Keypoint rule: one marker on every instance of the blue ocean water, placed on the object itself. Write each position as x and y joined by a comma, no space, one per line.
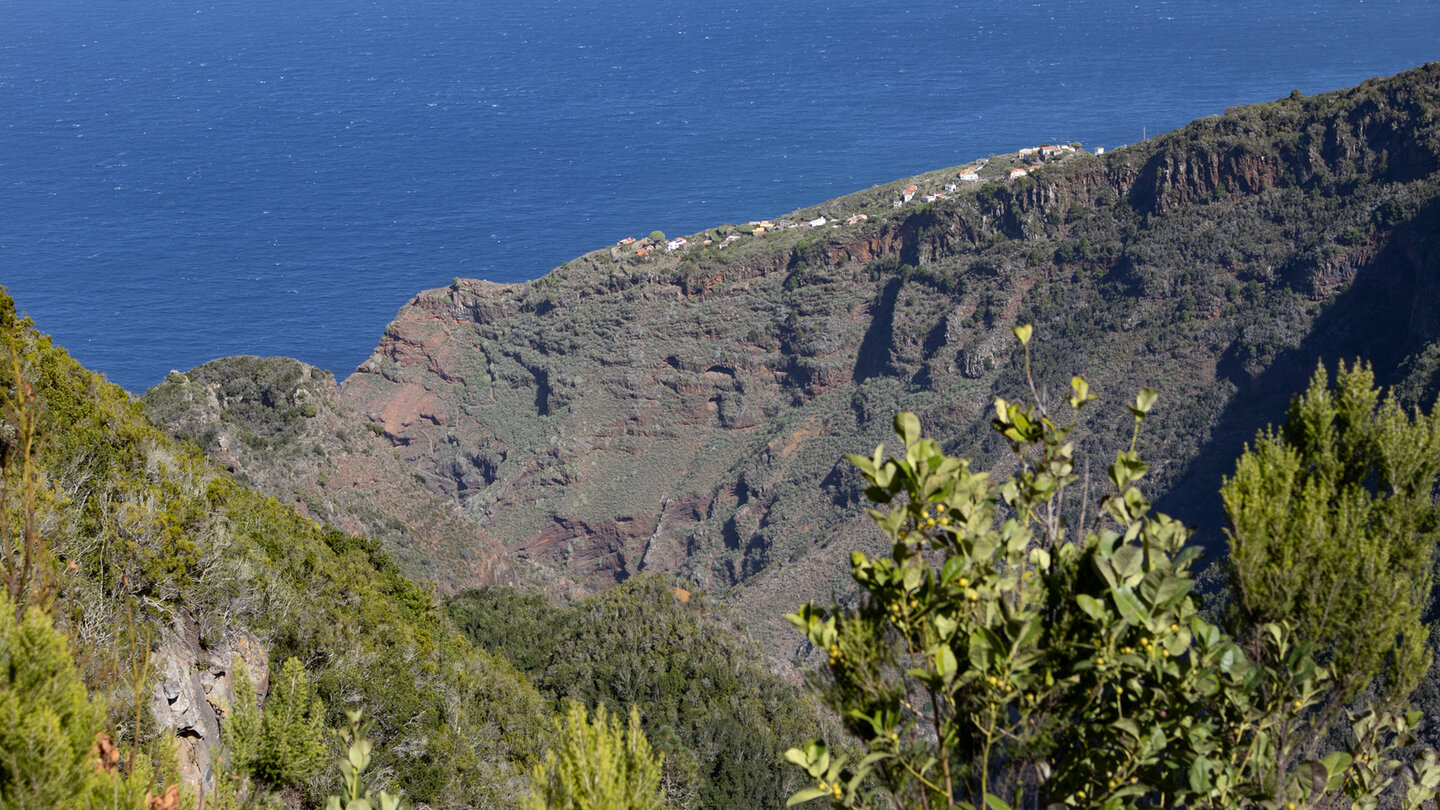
185,180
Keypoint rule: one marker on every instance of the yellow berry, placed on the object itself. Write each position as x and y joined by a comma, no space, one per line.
944,521
964,582
1174,628
929,523
974,597
940,507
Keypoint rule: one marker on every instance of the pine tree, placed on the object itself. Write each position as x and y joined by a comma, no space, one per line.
52,750
285,744
1333,530
47,722
598,766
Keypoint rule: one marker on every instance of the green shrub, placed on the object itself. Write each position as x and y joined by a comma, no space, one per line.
1333,528
51,755
597,766
1007,652
286,744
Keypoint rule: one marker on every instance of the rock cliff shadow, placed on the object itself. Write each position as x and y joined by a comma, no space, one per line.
873,357
1388,312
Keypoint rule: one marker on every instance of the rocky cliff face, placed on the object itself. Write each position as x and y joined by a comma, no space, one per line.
194,689
688,411
283,428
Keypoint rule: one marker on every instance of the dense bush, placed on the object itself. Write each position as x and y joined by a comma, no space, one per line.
51,754
1002,656
288,742
597,766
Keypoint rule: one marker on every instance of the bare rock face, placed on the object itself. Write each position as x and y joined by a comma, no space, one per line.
194,687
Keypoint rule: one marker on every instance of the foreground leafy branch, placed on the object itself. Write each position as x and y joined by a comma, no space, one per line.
997,660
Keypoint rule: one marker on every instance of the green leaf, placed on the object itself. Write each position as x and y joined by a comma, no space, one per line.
1129,606
1171,588
808,794
907,427
945,626
980,649
1127,561
945,663
1128,726
1040,558
797,757
1144,401
1335,765
864,463
993,802
1002,411
1202,776
1093,607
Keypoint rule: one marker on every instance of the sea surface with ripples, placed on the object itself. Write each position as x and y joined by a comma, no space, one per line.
186,180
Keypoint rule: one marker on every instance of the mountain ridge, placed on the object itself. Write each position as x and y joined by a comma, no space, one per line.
687,412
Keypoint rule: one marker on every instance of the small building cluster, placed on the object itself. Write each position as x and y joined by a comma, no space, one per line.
645,247
969,173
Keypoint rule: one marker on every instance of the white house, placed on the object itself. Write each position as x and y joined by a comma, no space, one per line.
817,222
1016,173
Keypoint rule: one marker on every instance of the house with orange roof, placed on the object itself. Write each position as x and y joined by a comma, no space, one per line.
909,193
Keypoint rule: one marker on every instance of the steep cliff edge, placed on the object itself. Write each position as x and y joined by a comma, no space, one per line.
686,411
281,426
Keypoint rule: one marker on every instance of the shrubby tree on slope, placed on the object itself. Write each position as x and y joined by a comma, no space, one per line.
287,743
597,765
1333,529
52,753
1004,656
